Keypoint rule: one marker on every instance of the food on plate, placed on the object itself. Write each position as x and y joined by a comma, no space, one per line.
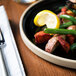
59,30
53,43
48,18
71,38
67,24
64,44
73,46
68,17
41,37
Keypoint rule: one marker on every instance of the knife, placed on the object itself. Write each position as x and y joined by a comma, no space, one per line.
2,67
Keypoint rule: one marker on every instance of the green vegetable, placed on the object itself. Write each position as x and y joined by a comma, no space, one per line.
66,24
60,31
74,11
68,17
61,7
73,47
40,29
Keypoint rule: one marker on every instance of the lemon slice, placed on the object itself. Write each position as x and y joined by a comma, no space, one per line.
48,18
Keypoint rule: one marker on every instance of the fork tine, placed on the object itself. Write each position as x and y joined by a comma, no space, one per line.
0,35
2,41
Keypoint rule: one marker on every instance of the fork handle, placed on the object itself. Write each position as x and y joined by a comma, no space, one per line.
2,67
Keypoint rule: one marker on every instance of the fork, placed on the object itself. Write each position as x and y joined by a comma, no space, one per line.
2,44
2,41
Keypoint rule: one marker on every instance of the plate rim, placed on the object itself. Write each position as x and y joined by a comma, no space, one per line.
69,63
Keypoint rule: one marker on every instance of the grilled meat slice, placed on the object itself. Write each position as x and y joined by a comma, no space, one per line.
71,38
41,37
64,44
73,27
73,1
53,43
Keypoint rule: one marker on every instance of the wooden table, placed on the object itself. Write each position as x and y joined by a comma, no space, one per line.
34,65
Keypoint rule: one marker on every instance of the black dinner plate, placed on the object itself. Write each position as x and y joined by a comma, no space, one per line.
30,29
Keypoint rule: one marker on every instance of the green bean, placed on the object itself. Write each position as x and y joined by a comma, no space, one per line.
74,11
73,47
68,17
60,31
66,24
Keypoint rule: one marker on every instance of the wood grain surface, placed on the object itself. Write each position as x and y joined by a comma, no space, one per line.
33,65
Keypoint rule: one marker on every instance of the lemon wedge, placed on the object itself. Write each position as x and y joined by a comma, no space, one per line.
48,18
